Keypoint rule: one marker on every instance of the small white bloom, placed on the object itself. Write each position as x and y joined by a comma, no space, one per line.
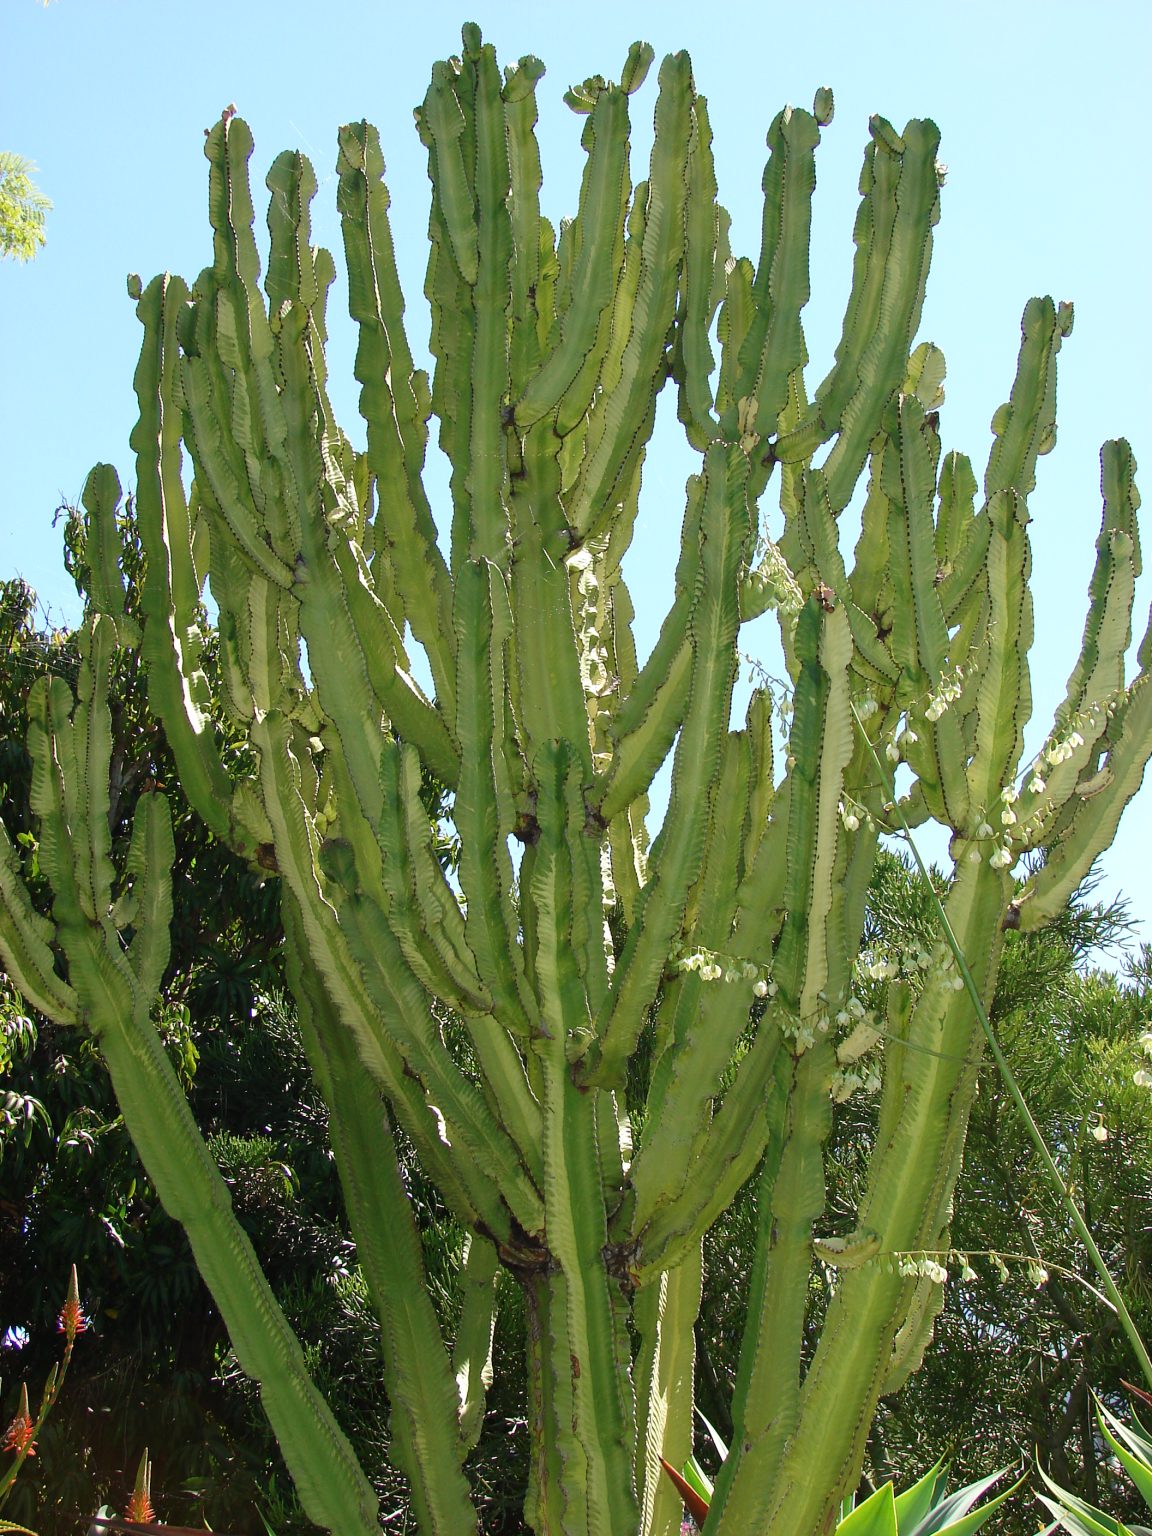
1008,816
852,822
1010,794
892,752
1037,1274
934,711
761,988
1037,786
1100,1132
1142,1079
973,855
957,983
908,738
1000,859
983,830
967,1273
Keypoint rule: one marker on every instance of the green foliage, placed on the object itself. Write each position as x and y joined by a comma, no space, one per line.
1131,1446
924,1509
22,208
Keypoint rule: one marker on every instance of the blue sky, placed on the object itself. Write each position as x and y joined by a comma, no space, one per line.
1044,114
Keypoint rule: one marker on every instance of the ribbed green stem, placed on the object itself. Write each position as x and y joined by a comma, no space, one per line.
665,1314
332,1488
901,1206
585,1348
421,1392
766,1405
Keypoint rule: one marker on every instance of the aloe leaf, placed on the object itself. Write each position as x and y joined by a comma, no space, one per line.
875,1517
915,1502
1133,1452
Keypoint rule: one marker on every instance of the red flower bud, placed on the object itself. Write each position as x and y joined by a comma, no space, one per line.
71,1320
18,1435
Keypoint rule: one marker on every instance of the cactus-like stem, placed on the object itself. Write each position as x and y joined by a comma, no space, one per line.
902,1202
419,1381
666,1313
767,1398
472,1355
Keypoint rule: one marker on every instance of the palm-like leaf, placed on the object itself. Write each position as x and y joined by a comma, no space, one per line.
22,208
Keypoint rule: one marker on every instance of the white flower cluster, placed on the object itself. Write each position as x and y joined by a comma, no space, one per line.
875,966
1057,752
904,739
924,1265
772,581
1001,857
851,1014
938,1267
852,815
947,691
1062,749
710,966
879,967
1037,1274
847,1082
804,1032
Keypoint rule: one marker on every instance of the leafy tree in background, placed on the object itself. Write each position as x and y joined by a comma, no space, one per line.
22,208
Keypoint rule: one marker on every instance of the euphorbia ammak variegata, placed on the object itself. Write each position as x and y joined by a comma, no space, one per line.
643,1027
